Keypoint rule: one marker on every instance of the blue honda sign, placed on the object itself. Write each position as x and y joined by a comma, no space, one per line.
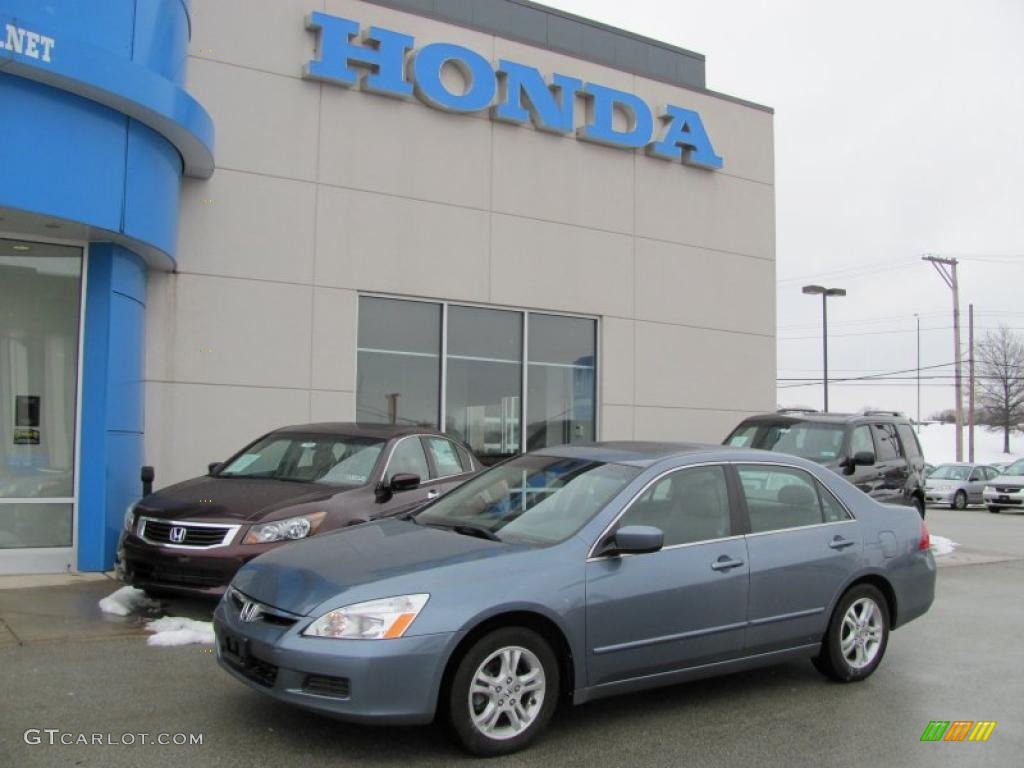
387,63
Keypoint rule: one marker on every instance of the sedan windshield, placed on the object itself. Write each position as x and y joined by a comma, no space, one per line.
817,442
1017,468
328,459
533,498
950,472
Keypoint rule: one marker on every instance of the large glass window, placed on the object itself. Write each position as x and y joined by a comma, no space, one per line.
399,362
485,379
39,310
479,397
560,381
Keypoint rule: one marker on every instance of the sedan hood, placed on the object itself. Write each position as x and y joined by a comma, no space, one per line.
298,577
219,499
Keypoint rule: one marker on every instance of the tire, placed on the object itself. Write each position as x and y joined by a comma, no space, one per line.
959,500
851,651
533,660
995,510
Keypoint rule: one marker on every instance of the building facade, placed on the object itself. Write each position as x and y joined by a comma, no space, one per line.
520,225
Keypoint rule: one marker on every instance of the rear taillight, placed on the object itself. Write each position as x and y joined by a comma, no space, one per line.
926,540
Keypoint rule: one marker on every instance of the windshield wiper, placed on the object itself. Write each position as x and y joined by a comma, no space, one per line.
466,529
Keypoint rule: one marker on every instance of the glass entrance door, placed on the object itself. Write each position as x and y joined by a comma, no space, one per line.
40,308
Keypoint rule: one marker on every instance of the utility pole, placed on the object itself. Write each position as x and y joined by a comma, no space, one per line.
947,271
970,391
918,318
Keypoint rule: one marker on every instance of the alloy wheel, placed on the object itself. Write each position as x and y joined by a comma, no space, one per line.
862,633
507,692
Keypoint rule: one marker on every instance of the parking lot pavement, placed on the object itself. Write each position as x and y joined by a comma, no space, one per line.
962,661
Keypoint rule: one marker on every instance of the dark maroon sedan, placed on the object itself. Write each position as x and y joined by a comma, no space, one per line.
289,484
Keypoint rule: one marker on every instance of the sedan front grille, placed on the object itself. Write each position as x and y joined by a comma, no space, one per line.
1007,489
171,532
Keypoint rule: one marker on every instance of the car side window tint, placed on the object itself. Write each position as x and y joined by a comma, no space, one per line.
834,512
991,473
888,445
780,498
409,458
687,506
911,446
860,440
446,457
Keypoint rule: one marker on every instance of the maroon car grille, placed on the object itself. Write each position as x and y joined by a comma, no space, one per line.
160,532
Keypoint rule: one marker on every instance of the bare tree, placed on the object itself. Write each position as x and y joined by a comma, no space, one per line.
1000,361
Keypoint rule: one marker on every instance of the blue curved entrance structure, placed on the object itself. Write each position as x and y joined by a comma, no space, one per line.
97,135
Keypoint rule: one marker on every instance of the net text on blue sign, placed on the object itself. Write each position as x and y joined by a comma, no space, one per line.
387,63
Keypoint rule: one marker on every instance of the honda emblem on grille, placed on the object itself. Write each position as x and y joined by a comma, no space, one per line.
177,534
250,612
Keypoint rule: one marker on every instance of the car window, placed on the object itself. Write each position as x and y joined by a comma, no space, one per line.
780,497
688,505
991,473
409,459
315,458
834,512
911,447
888,444
446,457
860,440
807,439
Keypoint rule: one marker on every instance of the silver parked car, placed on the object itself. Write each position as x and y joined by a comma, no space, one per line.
576,573
958,485
1007,490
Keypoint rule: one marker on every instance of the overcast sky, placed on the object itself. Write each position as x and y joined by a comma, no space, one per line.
899,131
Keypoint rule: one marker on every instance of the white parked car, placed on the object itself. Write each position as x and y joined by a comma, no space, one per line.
1007,490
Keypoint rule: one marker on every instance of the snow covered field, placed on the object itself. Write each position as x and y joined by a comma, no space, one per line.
939,444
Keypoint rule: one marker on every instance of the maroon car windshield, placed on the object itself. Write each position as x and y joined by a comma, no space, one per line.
329,459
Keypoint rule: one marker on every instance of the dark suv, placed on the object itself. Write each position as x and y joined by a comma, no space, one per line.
877,451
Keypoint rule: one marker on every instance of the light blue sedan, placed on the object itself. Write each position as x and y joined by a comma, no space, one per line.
577,573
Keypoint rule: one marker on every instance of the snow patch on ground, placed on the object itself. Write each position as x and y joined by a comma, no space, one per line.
172,630
127,600
938,441
942,546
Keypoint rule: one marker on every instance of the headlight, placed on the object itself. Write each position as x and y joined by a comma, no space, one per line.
129,518
285,530
376,620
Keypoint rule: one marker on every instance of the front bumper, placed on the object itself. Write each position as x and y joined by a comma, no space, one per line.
994,498
368,681
939,496
198,572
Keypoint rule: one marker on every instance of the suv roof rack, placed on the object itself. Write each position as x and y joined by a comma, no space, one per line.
797,410
884,413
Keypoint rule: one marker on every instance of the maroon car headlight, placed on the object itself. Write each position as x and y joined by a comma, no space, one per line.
285,530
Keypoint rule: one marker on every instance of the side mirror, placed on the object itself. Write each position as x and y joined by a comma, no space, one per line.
214,466
634,540
859,459
402,481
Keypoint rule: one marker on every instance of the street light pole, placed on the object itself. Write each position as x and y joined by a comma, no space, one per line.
918,317
814,290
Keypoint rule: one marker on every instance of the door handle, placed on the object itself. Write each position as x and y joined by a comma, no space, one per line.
840,543
433,494
725,563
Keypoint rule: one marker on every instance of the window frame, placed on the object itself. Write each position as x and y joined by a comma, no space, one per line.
850,517
736,520
525,313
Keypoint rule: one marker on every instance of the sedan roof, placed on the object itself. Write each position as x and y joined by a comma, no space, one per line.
358,429
637,453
